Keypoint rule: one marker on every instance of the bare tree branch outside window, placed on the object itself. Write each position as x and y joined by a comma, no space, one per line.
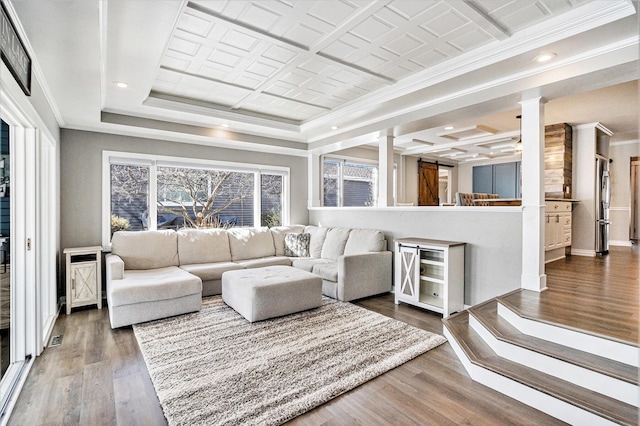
191,197
198,195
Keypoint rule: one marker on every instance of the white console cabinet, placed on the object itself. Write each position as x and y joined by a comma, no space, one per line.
430,274
84,277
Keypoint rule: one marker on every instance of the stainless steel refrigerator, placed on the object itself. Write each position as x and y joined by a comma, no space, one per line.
603,197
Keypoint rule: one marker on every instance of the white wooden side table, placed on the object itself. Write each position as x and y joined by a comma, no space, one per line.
84,276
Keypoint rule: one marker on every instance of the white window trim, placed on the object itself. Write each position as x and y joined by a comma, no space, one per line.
354,160
153,161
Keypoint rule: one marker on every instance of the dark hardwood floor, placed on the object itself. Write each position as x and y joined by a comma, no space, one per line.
98,376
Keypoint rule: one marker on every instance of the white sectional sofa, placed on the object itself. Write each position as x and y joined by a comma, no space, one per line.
156,274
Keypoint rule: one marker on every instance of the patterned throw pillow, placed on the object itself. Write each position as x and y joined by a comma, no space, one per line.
297,245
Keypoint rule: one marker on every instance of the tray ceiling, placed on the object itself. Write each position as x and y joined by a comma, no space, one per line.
296,61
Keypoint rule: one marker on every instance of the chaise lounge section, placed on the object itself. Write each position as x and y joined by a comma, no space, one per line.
156,274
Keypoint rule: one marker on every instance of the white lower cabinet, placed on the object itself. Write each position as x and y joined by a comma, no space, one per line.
430,274
557,231
84,274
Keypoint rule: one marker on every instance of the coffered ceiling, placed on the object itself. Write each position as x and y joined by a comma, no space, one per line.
321,75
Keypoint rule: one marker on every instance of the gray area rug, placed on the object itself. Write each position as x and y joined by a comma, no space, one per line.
213,367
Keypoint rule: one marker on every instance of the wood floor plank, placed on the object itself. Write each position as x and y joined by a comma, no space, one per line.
97,403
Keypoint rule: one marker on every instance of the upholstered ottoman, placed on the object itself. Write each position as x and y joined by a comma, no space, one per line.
263,293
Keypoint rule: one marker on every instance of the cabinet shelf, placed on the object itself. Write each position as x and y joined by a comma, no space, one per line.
432,300
432,279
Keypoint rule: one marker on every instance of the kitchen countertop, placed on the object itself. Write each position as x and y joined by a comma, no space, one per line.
572,200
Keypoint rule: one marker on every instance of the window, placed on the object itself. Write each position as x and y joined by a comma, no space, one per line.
271,199
349,184
198,197
129,196
153,192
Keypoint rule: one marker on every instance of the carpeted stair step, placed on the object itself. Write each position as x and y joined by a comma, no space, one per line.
575,404
615,379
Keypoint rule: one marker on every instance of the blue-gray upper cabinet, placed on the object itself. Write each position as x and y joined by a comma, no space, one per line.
502,179
483,179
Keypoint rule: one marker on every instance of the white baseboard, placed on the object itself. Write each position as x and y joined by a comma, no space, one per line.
621,243
581,252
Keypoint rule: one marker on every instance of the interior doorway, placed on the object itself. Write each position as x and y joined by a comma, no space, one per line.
444,183
428,183
634,223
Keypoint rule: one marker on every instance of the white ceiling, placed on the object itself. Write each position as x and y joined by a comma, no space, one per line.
277,76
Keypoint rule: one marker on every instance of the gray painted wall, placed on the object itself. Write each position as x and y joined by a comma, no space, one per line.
621,154
81,177
493,255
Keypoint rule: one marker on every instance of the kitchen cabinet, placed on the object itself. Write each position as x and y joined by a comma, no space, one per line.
557,224
502,179
430,274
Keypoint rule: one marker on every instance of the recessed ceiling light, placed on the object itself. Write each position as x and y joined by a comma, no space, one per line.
121,84
449,128
334,127
225,125
545,57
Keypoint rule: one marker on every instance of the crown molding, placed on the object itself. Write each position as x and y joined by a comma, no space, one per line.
176,103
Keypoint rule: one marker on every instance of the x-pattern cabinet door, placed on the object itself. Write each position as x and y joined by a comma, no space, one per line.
407,273
83,282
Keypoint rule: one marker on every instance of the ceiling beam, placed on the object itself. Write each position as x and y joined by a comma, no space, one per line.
471,10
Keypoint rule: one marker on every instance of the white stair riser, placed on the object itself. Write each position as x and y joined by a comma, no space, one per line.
606,348
589,379
559,409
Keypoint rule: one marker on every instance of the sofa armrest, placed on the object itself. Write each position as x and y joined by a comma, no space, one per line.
362,275
114,266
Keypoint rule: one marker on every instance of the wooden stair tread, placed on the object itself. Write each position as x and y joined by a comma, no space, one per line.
487,314
607,319
482,355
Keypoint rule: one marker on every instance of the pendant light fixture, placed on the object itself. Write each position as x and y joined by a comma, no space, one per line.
518,146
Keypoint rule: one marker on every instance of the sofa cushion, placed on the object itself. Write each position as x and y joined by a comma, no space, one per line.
334,243
153,285
297,245
364,241
211,271
317,239
265,261
146,249
327,271
307,264
250,243
278,233
203,246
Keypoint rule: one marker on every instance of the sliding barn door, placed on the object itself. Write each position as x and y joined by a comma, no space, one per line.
428,184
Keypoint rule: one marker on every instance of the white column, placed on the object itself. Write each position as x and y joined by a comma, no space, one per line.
532,169
314,179
385,171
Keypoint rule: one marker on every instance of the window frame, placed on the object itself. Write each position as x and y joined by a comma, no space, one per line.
154,161
362,161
